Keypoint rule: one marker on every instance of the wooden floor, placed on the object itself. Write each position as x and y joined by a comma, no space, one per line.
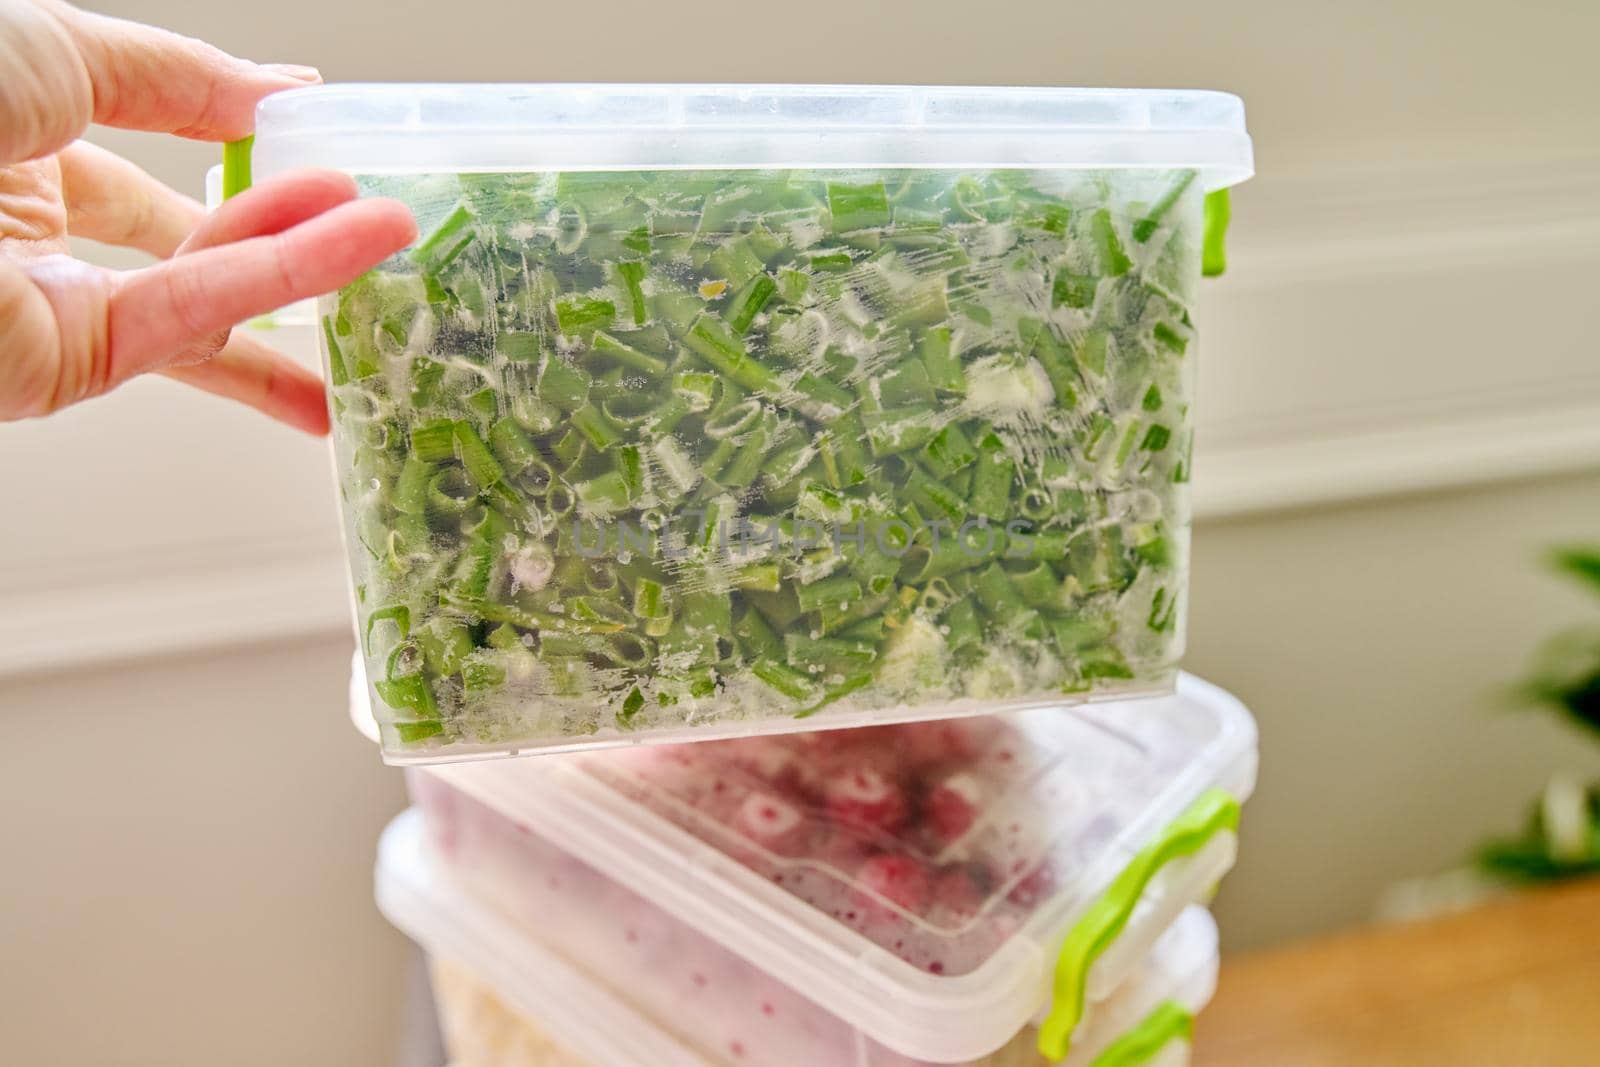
1515,983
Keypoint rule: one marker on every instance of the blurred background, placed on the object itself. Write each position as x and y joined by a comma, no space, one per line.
1400,410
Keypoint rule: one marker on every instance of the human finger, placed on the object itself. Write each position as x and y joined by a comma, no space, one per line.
157,311
272,207
146,78
253,373
110,199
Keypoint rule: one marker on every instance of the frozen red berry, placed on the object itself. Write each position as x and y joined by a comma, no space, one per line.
951,807
946,741
864,796
714,795
957,896
777,764
822,743
871,741
899,880
1033,889
768,758
773,823
844,848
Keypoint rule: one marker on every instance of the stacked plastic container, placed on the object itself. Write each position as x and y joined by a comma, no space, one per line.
977,891
803,474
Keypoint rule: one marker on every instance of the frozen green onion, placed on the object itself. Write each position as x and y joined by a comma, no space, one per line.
622,450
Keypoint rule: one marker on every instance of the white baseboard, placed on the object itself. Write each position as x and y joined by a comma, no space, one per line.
174,610
1412,458
1395,331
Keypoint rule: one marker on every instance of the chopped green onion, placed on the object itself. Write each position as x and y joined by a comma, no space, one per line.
621,450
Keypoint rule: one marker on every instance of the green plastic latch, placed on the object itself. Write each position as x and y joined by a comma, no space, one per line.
1167,1022
1217,212
1212,813
236,166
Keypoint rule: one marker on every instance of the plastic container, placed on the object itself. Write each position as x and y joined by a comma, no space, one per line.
507,998
703,411
920,893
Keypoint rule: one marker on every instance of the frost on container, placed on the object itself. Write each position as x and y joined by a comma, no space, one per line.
637,451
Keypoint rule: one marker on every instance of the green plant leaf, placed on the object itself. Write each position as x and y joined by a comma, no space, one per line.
1579,561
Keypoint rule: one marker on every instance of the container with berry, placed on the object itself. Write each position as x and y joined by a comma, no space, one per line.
508,998
956,892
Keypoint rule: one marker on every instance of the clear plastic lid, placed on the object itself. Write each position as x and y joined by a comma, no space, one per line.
580,1012
481,127
937,885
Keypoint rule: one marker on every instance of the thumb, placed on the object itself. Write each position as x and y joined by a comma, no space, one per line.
71,68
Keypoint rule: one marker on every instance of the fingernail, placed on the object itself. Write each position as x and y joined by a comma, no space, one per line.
309,75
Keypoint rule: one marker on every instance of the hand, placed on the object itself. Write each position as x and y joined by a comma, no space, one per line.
70,330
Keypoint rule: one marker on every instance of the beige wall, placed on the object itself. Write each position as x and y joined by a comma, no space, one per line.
1374,643
184,865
